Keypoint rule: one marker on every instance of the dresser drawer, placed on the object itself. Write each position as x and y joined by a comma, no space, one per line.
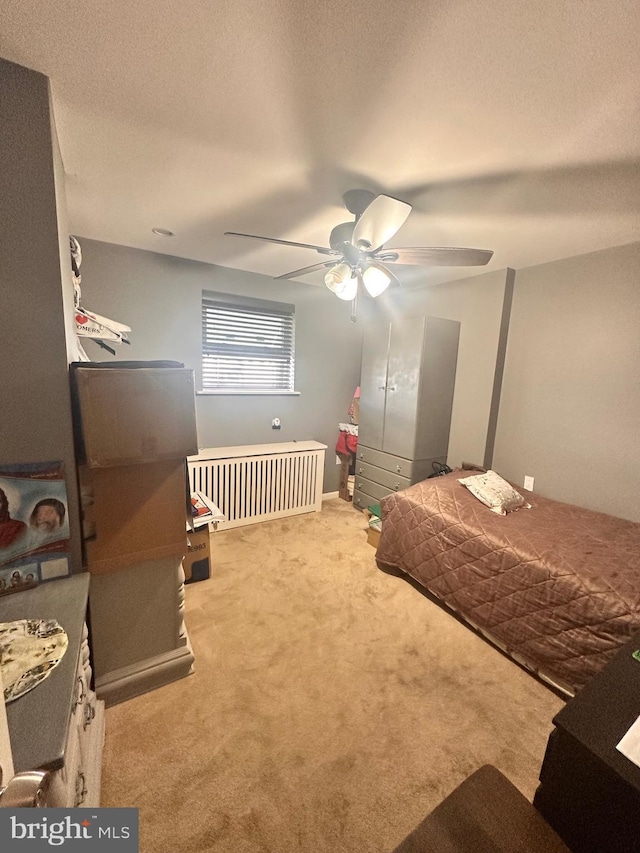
91,745
395,464
388,479
362,500
62,789
376,491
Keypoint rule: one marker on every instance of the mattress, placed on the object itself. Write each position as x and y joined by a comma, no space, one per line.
556,586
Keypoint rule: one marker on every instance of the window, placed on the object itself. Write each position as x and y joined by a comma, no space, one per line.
247,344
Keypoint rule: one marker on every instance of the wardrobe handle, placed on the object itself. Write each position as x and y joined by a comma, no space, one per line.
392,388
382,387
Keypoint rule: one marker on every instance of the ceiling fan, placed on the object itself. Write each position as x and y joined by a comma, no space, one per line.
356,249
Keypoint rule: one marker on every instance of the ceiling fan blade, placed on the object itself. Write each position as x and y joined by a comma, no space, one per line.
313,268
320,249
379,222
446,256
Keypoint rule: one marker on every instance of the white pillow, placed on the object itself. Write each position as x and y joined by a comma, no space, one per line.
495,492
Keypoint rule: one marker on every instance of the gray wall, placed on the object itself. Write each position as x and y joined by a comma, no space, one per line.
569,401
37,296
477,304
570,409
159,296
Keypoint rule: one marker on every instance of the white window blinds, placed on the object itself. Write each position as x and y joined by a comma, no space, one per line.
247,344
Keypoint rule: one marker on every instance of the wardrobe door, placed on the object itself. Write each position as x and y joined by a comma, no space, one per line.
403,386
373,383
435,400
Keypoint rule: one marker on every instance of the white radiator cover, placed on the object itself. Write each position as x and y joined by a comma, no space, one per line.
259,482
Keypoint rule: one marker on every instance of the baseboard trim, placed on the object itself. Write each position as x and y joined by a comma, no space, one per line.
327,496
138,678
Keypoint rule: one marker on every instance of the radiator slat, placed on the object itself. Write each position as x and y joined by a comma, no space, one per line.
260,486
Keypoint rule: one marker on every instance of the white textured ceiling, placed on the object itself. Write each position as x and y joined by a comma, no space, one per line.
508,125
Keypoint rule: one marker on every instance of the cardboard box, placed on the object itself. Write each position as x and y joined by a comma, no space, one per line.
137,512
197,563
130,416
373,537
135,614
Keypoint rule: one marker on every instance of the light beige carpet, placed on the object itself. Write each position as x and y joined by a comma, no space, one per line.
332,705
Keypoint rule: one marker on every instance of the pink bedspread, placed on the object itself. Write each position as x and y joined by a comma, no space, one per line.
557,586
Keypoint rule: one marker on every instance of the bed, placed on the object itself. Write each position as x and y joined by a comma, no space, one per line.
555,586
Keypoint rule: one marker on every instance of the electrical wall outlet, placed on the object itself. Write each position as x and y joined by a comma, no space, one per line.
275,423
528,483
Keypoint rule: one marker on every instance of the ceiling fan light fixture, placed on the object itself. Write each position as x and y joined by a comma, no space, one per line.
347,290
337,277
375,280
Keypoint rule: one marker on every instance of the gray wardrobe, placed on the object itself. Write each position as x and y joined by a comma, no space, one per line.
406,395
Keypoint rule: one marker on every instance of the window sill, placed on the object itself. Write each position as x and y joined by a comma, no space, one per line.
248,393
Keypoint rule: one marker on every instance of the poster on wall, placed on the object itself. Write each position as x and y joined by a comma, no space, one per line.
34,525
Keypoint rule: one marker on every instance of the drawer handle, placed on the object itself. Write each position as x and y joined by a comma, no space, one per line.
81,691
89,715
396,487
360,470
81,789
398,468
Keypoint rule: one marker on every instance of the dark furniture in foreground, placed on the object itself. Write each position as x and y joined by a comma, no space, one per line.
589,792
485,814
554,586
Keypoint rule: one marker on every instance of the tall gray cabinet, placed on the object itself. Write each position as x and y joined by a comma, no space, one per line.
406,395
